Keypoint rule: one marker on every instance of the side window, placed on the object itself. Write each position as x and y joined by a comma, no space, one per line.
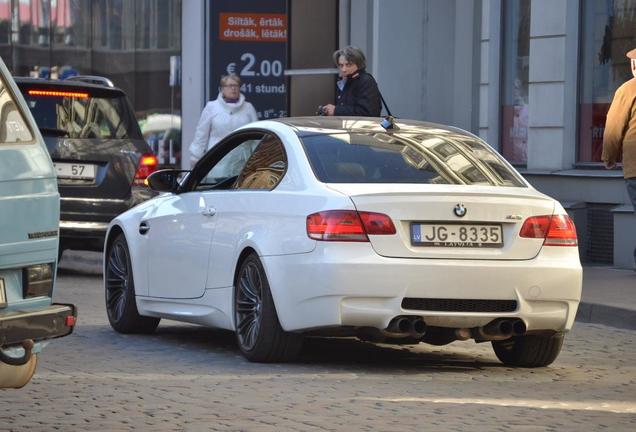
266,167
13,128
225,172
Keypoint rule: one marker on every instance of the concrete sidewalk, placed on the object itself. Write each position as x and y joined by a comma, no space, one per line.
609,294
609,297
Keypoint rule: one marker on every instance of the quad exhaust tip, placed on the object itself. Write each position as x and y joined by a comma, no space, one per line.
413,326
498,329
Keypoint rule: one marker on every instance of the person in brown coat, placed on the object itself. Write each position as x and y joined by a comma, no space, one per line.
619,137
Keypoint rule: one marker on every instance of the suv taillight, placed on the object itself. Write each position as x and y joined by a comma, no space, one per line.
147,165
348,225
556,230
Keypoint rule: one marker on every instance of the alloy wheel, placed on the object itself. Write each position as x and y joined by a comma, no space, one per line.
249,305
117,281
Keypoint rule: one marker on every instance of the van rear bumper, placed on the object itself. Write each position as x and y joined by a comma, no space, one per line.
37,324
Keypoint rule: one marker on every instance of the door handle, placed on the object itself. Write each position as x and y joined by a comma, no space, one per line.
209,211
144,227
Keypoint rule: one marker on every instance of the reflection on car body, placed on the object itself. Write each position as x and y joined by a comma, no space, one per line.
338,227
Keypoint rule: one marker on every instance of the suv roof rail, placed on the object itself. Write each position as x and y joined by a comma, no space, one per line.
92,79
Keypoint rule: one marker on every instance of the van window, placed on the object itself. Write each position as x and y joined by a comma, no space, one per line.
13,128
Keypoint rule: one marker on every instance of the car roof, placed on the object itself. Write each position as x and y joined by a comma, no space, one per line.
94,89
320,125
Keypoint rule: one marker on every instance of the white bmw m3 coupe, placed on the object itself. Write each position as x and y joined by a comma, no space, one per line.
328,226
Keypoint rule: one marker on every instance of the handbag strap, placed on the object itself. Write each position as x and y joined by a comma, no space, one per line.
386,107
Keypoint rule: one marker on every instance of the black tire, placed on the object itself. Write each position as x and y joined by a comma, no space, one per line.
529,350
120,292
258,332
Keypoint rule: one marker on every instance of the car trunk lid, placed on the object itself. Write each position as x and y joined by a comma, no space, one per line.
95,167
424,215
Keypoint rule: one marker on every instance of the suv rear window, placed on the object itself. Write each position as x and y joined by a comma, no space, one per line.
81,114
407,158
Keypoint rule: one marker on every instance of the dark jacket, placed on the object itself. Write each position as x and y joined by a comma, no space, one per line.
359,97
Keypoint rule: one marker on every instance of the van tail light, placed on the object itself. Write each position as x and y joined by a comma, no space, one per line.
348,225
147,165
557,230
37,281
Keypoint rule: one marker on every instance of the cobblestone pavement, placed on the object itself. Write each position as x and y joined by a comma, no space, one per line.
194,379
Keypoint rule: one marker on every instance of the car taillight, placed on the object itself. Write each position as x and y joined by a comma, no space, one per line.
377,223
557,230
55,93
147,165
347,225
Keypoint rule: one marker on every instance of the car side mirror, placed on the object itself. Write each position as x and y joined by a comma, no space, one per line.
166,180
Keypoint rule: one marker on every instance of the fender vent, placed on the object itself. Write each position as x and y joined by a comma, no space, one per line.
459,305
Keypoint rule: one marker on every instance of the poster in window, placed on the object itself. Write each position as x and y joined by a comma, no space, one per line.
249,39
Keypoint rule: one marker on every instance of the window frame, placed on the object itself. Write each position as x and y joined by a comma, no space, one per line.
218,152
26,117
508,27
585,34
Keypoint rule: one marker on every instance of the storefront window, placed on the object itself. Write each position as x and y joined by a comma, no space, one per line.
5,30
134,43
158,41
607,34
514,132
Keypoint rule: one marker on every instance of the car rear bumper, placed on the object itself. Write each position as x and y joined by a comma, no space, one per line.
84,221
350,285
81,229
37,324
82,235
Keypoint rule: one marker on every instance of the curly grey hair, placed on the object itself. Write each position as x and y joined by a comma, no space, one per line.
351,54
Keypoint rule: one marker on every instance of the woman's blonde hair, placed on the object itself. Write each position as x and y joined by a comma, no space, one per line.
233,77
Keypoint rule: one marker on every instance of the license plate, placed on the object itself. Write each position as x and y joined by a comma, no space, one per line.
457,235
75,170
3,294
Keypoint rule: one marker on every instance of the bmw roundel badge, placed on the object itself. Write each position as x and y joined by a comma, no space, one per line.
460,210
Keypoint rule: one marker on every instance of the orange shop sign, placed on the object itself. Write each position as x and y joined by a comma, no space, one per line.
252,27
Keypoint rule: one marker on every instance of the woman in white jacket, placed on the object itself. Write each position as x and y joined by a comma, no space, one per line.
229,111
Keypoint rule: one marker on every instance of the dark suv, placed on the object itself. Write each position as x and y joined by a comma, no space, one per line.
98,150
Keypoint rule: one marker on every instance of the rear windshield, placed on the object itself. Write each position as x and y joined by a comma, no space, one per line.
81,115
439,158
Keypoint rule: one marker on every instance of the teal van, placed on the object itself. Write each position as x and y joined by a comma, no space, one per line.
29,237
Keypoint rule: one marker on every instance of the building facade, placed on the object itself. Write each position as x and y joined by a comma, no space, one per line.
135,43
534,78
